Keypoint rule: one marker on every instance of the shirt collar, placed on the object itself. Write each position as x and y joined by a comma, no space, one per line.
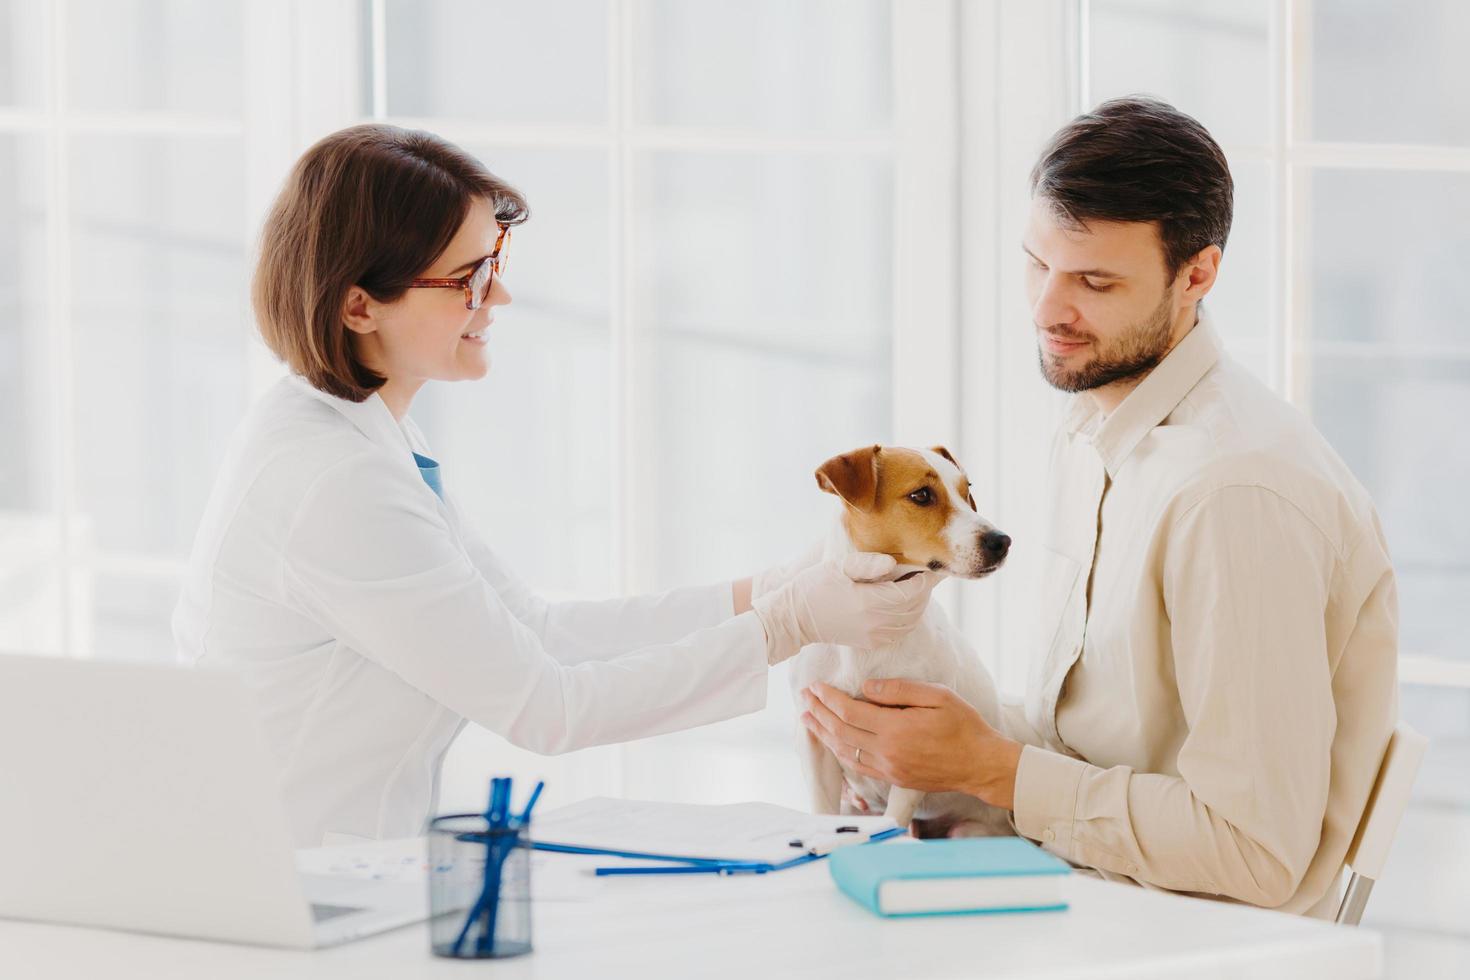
1116,436
371,417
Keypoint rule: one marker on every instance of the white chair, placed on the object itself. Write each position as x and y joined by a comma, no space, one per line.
1386,805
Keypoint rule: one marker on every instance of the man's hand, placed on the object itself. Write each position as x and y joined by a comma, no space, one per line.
915,735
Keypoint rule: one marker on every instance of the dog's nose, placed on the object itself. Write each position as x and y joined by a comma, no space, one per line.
995,545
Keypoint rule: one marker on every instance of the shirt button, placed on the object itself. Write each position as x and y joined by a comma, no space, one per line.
1048,836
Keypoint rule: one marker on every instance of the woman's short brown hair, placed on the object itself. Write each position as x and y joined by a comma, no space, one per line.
370,206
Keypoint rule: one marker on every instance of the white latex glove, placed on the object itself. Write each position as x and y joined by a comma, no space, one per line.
776,576
849,604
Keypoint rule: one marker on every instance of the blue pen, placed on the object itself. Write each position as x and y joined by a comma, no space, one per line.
531,804
694,866
699,869
494,811
494,860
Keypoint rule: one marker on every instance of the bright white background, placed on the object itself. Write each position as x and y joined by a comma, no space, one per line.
764,232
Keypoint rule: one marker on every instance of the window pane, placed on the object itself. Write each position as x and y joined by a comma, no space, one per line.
1209,60
767,64
1240,303
763,290
763,298
1399,423
160,326
25,365
502,61
23,66
1443,714
155,55
1383,250
527,450
1389,73
126,617
30,583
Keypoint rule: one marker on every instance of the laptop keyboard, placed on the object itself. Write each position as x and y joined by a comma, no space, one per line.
326,913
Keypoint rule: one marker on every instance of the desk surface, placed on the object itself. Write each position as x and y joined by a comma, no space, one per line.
794,923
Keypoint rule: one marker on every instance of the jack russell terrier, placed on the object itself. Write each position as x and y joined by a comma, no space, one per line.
915,505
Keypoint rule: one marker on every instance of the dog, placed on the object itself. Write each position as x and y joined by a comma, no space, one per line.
915,505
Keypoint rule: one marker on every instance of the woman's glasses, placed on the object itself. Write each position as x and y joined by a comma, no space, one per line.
476,285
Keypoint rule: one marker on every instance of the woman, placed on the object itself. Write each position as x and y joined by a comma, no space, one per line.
335,573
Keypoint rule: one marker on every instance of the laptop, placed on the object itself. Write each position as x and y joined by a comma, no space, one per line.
144,797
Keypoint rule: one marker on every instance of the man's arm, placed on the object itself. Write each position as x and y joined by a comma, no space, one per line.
1246,580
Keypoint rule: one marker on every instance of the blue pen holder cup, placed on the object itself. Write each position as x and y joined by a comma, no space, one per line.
479,888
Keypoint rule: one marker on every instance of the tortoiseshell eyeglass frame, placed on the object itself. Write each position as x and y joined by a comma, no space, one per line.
476,285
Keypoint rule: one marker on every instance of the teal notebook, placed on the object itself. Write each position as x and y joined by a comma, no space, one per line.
950,877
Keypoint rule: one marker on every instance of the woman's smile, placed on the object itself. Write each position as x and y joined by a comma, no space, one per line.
477,336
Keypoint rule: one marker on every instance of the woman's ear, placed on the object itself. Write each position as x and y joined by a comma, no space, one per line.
357,311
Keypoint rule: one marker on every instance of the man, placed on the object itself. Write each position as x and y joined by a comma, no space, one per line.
1216,676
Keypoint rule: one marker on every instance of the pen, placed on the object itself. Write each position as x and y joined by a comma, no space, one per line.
485,905
494,860
525,817
708,866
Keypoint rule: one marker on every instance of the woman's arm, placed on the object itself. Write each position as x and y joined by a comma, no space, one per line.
383,572
577,631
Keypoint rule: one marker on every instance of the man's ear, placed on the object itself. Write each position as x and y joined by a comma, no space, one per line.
1199,273
852,476
357,311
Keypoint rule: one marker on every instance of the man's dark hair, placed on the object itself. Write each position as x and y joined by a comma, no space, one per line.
1139,159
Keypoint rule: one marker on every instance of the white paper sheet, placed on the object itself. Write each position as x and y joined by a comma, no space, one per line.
756,832
552,880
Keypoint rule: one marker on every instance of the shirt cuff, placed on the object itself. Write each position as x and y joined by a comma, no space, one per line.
1046,798
724,602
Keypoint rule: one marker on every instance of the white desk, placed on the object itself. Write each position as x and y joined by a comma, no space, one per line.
790,924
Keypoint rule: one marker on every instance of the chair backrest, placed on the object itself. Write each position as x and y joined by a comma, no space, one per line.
1387,802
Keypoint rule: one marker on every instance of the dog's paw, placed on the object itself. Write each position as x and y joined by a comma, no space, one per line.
852,801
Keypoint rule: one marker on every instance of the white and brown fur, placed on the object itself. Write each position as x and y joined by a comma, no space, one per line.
916,506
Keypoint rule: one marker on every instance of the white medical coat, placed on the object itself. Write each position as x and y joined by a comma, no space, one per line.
371,623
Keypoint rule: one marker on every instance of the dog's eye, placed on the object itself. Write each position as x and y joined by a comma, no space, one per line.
922,496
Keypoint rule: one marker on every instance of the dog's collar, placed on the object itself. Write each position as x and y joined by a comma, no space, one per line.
905,572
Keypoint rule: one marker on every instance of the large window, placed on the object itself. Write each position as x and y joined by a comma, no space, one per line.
704,307
728,277
122,332
762,233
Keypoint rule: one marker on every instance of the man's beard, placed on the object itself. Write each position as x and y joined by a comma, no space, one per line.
1137,352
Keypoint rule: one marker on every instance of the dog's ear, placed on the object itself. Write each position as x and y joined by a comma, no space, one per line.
852,476
969,498
945,453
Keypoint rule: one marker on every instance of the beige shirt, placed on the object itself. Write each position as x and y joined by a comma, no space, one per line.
1217,677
